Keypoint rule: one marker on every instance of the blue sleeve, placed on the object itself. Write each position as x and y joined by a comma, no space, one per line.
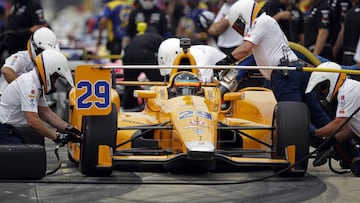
248,61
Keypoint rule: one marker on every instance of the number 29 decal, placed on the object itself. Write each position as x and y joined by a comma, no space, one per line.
93,95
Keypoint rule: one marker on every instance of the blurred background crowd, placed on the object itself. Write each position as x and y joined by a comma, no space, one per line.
82,24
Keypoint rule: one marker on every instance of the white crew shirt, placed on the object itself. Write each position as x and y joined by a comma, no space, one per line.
20,62
229,38
348,101
270,43
206,55
357,53
24,94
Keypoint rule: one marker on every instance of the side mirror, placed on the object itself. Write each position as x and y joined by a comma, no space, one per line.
144,94
232,96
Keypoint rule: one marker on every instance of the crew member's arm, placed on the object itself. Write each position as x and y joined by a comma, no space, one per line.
52,118
243,50
35,122
102,26
321,40
330,128
9,74
219,27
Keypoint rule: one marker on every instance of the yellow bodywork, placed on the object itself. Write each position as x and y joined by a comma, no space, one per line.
187,124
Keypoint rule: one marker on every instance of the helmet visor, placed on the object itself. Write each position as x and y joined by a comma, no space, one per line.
186,90
37,49
322,90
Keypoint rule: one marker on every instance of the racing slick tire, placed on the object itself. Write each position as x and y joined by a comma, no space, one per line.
292,127
22,161
97,130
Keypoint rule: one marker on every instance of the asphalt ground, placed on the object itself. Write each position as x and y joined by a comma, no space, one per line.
69,185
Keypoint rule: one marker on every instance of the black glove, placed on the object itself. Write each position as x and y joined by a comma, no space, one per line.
74,134
61,139
228,60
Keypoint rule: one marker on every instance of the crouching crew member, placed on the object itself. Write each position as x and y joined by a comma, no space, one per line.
23,101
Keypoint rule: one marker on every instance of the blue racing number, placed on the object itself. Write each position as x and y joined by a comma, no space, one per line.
95,95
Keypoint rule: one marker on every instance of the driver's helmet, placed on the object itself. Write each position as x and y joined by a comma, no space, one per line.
186,84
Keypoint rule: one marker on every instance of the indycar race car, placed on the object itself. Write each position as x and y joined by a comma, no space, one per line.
184,126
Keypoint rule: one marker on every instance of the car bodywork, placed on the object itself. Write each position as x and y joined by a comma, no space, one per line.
187,132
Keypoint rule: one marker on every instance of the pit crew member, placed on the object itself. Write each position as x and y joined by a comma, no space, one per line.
337,85
23,102
25,17
203,54
264,38
24,61
357,54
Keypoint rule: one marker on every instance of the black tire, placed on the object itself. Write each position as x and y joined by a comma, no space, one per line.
97,130
22,161
292,127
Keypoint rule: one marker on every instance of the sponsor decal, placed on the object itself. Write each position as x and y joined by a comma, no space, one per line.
198,131
185,114
204,114
197,122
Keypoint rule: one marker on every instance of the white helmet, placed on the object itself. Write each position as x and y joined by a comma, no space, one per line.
333,80
41,40
242,14
52,64
148,4
167,52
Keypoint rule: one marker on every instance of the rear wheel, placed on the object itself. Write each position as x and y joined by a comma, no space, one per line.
97,130
292,125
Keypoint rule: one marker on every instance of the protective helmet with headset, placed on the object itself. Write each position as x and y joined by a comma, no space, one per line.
148,4
242,14
51,65
326,82
186,83
41,40
167,52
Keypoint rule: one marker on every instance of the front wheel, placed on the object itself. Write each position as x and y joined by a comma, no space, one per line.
292,127
97,130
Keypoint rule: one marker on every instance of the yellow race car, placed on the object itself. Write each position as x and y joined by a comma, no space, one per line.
184,126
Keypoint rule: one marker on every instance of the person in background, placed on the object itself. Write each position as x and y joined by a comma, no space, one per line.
2,29
340,7
357,54
297,24
227,38
142,50
147,12
23,101
351,33
25,17
188,24
319,31
115,20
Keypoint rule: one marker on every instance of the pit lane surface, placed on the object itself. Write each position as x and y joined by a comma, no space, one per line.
69,185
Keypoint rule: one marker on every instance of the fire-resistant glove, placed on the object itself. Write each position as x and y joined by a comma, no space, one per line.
228,60
74,134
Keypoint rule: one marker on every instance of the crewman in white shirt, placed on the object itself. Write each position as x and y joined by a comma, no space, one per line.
24,61
23,101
